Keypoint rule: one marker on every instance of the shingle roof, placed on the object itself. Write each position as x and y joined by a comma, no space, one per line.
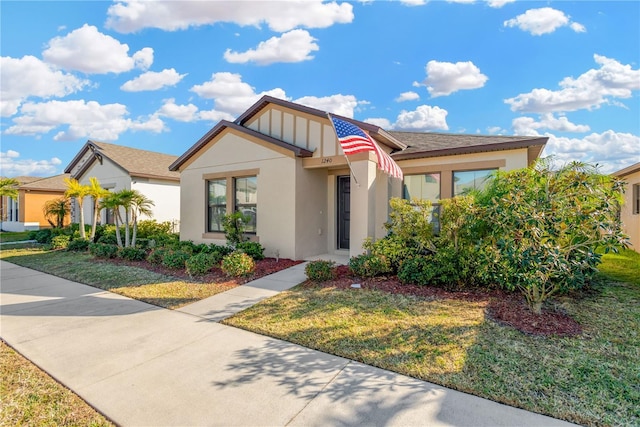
422,144
52,183
136,162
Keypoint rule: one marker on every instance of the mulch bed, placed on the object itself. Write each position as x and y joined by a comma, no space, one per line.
503,307
263,267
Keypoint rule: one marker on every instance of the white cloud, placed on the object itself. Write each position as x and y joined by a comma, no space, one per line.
612,150
294,46
589,90
12,165
79,119
423,118
543,21
343,105
128,16
382,122
29,76
528,126
407,96
181,113
495,130
214,116
444,78
413,3
88,50
153,81
498,3
461,1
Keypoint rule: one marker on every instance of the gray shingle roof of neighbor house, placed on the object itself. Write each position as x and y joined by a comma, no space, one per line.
628,170
136,162
51,183
424,144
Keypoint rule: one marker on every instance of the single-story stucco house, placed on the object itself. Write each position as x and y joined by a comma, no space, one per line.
630,209
26,212
117,167
282,164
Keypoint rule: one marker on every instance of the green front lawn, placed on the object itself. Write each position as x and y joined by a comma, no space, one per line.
10,236
591,379
144,285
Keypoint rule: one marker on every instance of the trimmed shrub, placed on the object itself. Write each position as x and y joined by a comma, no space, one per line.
160,240
201,248
446,268
320,270
254,249
237,264
132,254
103,250
32,234
185,246
60,242
175,259
201,263
78,245
393,249
108,238
224,250
157,255
142,243
43,236
369,265
151,227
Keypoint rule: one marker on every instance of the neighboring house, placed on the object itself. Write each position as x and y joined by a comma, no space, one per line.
117,167
630,210
282,164
26,213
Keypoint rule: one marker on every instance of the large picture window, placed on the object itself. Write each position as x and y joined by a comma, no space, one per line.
424,187
217,202
464,181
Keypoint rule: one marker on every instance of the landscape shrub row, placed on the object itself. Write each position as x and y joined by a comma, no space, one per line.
538,230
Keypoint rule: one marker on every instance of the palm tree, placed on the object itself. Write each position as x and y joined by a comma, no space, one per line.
97,193
79,192
126,200
8,187
112,202
141,205
57,208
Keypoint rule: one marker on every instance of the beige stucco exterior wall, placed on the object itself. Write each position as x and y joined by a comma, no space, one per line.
276,198
111,177
631,222
164,194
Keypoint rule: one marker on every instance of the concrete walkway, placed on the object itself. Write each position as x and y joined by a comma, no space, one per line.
141,365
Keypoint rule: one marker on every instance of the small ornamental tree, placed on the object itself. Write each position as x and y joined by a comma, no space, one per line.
545,225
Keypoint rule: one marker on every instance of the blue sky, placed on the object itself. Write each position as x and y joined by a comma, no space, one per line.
158,75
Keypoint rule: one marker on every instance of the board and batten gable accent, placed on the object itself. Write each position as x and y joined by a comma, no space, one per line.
297,128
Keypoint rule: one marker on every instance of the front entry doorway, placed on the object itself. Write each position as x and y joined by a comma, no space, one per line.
344,211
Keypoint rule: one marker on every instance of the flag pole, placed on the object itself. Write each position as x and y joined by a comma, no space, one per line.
345,156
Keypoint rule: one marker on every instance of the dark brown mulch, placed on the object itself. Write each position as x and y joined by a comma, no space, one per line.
503,307
263,267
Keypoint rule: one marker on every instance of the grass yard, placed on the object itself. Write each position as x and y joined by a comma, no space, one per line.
153,288
591,379
31,397
9,236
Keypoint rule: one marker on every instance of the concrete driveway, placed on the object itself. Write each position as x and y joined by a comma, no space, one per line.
141,365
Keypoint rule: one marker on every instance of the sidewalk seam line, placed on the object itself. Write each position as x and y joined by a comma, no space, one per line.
318,393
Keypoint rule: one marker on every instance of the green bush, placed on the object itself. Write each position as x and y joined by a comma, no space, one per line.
148,228
320,270
163,240
254,249
224,250
32,235
201,248
132,254
369,265
157,255
60,242
445,268
103,250
393,249
201,263
78,245
142,243
108,238
43,236
234,226
175,259
237,264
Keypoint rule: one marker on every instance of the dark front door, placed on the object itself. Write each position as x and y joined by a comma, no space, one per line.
344,211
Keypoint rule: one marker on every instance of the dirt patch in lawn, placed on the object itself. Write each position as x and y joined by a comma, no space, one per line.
263,267
503,307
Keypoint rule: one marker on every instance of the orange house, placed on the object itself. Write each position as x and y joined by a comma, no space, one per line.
26,213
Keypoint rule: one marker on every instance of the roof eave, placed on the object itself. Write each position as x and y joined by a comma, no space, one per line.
472,149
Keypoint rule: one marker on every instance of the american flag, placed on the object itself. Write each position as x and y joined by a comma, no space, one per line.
353,140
